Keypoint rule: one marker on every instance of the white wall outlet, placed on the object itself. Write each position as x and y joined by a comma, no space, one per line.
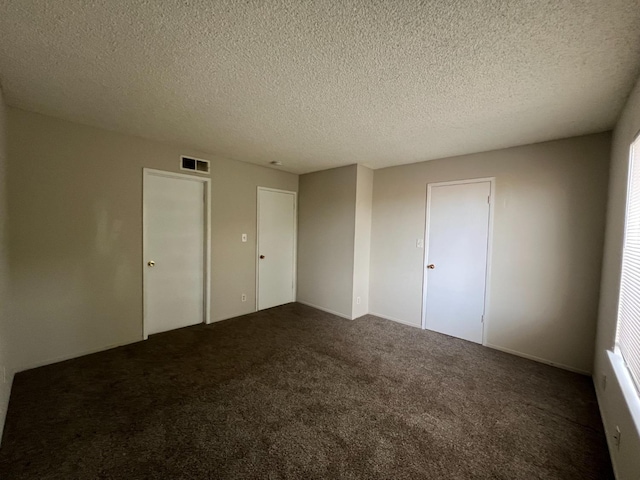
420,243
244,297
358,300
616,437
244,237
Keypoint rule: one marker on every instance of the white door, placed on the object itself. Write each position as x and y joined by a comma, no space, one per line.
456,258
174,251
276,247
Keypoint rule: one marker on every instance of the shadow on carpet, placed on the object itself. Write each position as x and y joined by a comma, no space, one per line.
293,392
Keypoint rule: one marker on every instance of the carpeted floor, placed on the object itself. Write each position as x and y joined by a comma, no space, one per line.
293,392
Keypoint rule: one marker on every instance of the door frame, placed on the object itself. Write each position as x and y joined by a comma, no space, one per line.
146,173
487,288
295,240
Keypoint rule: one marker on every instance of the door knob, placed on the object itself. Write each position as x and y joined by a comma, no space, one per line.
431,266
261,257
151,263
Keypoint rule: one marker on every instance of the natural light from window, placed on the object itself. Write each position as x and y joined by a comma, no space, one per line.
628,332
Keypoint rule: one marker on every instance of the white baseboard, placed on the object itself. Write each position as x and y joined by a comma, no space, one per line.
538,359
342,315
102,349
607,434
4,400
71,356
212,321
397,320
13,371
496,347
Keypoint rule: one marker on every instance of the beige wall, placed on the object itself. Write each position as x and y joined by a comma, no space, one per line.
612,404
547,244
75,197
5,364
326,229
362,241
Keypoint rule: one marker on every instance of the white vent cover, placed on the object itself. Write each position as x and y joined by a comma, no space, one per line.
194,164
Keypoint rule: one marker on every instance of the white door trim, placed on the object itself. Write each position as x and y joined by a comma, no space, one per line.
487,292
295,240
146,172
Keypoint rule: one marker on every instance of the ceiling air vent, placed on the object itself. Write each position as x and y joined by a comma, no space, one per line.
194,164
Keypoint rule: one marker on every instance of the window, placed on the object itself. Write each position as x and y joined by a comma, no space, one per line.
628,333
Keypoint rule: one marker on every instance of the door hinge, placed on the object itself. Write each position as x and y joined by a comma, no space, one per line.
482,319
489,199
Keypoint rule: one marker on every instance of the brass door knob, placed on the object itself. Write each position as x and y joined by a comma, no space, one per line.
431,266
151,263
261,257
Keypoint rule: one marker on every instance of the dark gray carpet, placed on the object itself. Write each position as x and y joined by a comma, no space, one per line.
293,392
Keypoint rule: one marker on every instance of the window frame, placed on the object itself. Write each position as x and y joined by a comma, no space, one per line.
622,369
615,364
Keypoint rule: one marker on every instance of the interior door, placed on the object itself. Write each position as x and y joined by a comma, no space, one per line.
174,252
276,247
456,258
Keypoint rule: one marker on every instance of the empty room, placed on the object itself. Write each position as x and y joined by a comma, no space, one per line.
319,240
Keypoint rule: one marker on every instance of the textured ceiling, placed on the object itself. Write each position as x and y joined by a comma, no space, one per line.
319,84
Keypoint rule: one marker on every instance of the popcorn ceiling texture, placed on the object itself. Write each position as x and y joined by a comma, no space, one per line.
328,83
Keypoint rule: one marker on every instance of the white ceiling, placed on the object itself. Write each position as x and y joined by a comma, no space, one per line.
319,84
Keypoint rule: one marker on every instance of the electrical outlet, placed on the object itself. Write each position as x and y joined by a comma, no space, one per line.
616,437
244,297
244,237
358,300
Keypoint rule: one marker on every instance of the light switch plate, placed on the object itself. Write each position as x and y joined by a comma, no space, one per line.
420,243
244,237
